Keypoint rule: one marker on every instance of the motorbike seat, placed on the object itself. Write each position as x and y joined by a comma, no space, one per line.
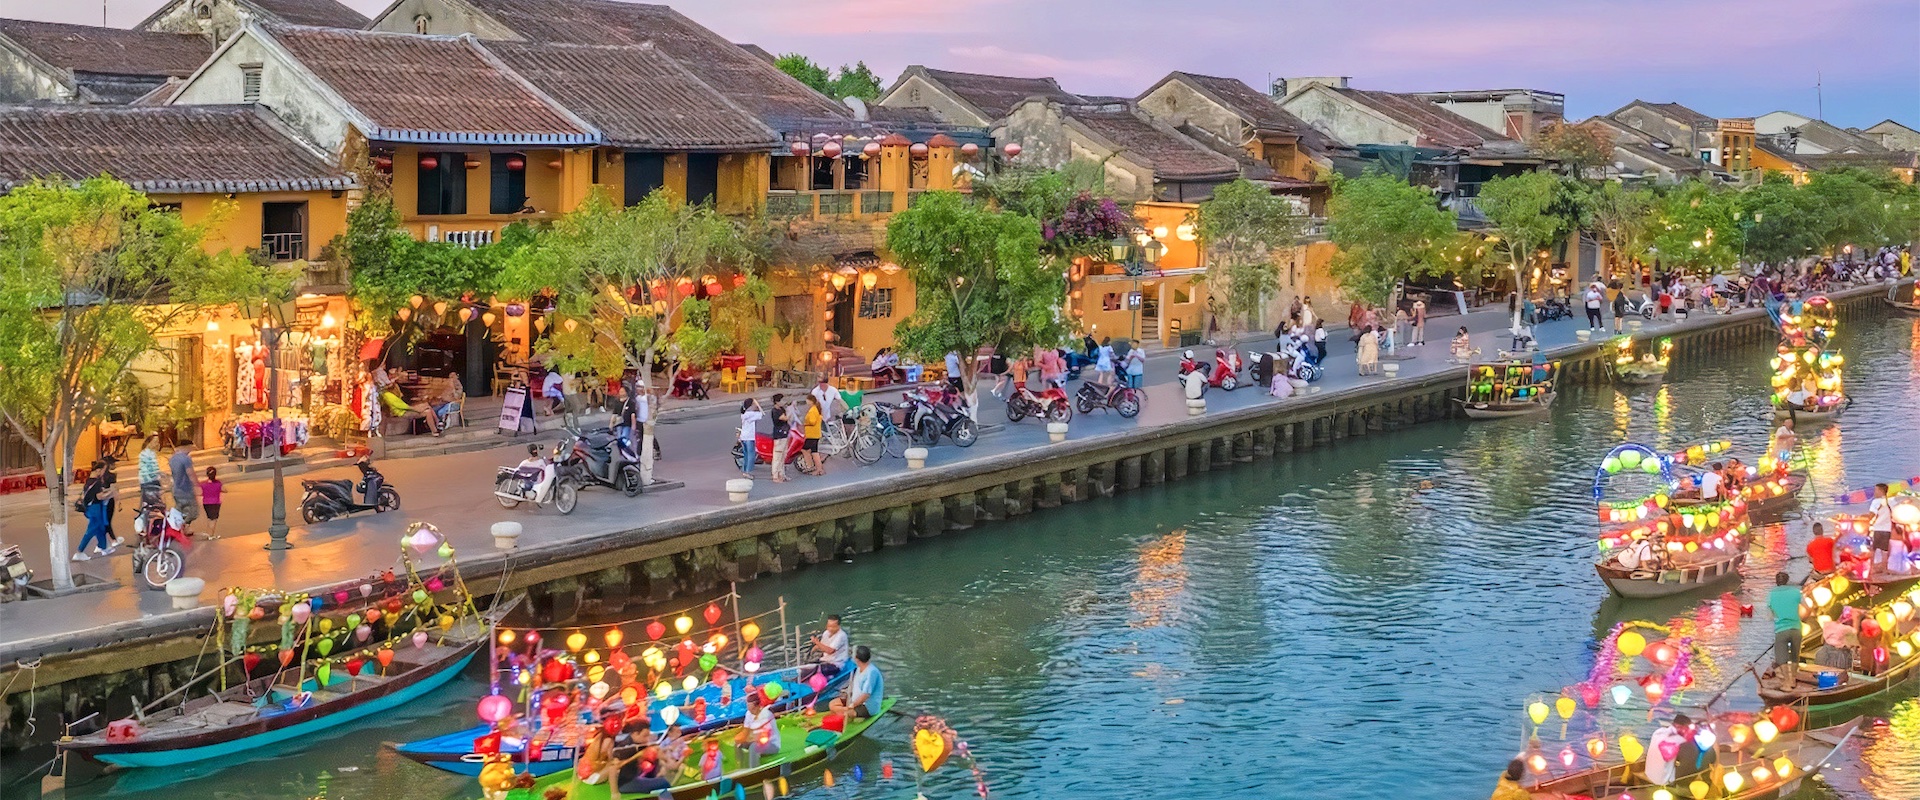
529,473
600,439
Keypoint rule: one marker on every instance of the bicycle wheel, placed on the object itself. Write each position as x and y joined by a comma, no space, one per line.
867,449
164,566
895,445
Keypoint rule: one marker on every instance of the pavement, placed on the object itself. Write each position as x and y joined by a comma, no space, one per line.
454,491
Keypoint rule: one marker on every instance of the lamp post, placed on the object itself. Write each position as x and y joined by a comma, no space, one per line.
1747,224
270,332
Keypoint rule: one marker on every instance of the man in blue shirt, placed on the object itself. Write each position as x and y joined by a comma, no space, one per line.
867,688
1784,601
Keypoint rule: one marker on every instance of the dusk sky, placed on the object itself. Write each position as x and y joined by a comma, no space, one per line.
1724,57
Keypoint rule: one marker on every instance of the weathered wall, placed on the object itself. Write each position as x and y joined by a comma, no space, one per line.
1344,120
442,18
1177,104
22,80
284,89
918,92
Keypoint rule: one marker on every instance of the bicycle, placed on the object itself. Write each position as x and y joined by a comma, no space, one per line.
835,439
878,435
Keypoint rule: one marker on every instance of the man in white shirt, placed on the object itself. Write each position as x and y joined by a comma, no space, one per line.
829,398
1882,526
955,376
832,647
762,732
554,388
1710,482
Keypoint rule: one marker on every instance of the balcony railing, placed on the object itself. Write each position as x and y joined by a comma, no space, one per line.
828,203
876,202
284,246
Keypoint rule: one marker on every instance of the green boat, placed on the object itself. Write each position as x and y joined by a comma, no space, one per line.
796,754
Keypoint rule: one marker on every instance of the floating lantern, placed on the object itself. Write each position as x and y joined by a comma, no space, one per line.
683,624
576,640
1631,643
1537,711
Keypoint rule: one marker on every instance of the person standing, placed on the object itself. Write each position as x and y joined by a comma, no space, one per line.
1594,299
1368,356
1307,317
1820,551
186,490
1619,309
1882,526
150,472
1319,341
210,490
1663,747
749,431
1784,601
955,377
828,397
1136,363
1103,363
1419,323
781,428
554,388
811,426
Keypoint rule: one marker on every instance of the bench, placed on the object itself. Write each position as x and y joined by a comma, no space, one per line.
853,372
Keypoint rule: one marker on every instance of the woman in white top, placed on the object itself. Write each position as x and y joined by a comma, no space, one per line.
760,730
1103,363
749,431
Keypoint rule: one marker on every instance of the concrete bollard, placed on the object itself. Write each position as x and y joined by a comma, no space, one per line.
916,457
1583,336
1056,431
1390,369
1196,406
506,535
738,489
1634,325
186,592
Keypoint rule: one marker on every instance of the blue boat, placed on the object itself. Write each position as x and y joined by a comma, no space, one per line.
259,713
453,752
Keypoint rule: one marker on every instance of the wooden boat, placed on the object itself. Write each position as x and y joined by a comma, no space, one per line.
263,711
1806,751
1641,377
1508,389
453,752
1641,584
1504,410
802,747
1648,369
1761,504
1907,309
1850,687
1799,416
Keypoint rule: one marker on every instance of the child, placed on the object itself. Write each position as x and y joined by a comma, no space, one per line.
210,501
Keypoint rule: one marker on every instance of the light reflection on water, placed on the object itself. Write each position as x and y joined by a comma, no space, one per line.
1365,622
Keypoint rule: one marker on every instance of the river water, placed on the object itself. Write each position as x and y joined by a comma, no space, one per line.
1366,621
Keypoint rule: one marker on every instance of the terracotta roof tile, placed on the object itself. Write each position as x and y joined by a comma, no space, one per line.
113,51
1436,125
1262,111
995,95
423,88
754,83
1172,156
636,96
324,13
184,149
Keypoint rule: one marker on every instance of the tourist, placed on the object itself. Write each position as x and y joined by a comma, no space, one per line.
1881,509
886,365
1784,441
1662,748
831,644
1319,341
1692,758
1461,349
759,732
955,373
1368,355
1307,316
536,474
1594,299
831,403
445,400
749,431
186,490
1402,327
782,426
1784,601
108,479
1508,787
1136,367
1103,363
1619,309
1839,640
647,772
867,689
554,388
1295,309
1820,551
93,503
811,425
1053,369
1354,313
210,490
1711,480
1640,555
150,472
1419,324
596,764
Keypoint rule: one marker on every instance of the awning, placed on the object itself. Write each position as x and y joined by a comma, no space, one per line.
371,350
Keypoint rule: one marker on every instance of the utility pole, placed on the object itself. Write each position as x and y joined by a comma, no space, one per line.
1819,97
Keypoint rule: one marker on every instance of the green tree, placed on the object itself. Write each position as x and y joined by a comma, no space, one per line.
91,275
1696,227
978,280
1529,212
1243,226
1385,230
388,267
855,81
805,71
1579,150
1776,220
1622,216
615,275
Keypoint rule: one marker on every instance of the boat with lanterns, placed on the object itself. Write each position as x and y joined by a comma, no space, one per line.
1885,649
336,656
1770,487
1754,771
1909,307
1504,389
555,673
1657,542
1807,384
1634,365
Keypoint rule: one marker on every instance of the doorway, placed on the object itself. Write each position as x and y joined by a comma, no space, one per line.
283,231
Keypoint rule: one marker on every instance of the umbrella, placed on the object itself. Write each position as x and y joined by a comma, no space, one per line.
371,350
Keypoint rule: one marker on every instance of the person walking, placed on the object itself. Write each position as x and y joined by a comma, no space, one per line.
93,504
1419,323
186,490
1619,309
1319,341
210,491
749,431
810,426
781,428
1368,357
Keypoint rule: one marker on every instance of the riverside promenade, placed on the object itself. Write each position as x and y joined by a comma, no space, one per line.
126,629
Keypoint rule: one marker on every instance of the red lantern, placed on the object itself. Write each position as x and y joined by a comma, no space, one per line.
799,149
554,706
656,630
383,163
871,149
555,671
830,149
249,661
556,164
516,163
429,162
739,281
386,657
394,605
969,149
1012,149
686,287
712,614
1784,717
354,664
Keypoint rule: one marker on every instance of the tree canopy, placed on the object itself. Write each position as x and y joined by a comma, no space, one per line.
1529,212
1242,226
1386,230
388,266
1076,214
849,81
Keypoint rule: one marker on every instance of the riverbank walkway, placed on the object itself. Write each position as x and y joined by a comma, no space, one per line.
455,492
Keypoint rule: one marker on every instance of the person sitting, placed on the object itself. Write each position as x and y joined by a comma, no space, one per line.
445,400
1641,554
831,644
759,733
866,692
886,367
1736,474
654,768
1712,481
536,474
1508,787
1461,349
1839,641
689,383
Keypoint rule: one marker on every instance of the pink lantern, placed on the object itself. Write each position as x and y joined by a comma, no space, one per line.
799,149
830,149
754,654
363,632
1012,149
918,148
969,149
419,639
871,149
818,682
494,708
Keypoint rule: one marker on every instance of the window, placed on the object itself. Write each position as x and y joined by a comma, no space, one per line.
876,303
443,184
855,170
203,11
507,186
703,177
283,231
823,174
780,172
420,23
1182,294
1110,301
250,83
645,173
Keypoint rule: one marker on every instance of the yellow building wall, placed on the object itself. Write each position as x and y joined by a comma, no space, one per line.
235,224
1764,160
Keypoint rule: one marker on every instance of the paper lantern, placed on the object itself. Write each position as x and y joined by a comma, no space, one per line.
1699,789
1783,766
1012,149
576,640
712,613
1620,694
325,646
871,149
799,149
1733,781
773,690
324,673
918,149
655,630
749,632
1662,794
1567,757
830,149
419,639
1765,731
1631,644
1630,748
429,163
1564,707
614,638
969,149
494,708
598,690
690,684
1784,717
817,682
1537,711
683,624
506,636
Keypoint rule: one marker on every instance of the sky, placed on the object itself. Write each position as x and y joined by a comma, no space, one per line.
1726,58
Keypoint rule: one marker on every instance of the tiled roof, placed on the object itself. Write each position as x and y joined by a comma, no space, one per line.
323,13
171,149
1435,125
1683,114
995,95
1260,110
1171,155
1884,159
429,88
745,78
111,51
1833,139
636,96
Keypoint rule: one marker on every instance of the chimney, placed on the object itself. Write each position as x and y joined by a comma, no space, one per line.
1287,86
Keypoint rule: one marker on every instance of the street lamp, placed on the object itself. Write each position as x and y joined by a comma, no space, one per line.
273,320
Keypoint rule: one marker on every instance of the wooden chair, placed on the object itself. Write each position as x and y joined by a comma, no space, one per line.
733,379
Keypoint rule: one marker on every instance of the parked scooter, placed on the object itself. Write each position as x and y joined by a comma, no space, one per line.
763,451
1225,374
1050,403
538,482
14,574
1124,399
932,412
1188,364
328,499
161,552
601,458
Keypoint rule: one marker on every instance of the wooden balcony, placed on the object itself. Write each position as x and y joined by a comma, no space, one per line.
828,204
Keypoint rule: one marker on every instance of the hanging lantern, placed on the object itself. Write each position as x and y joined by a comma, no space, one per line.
576,641
429,163
383,163
416,300
918,149
488,319
1012,149
404,314
749,631
473,163
571,324
466,315
683,624
799,149
830,149
871,149
969,149
869,279
556,164
516,163
838,280
540,325
440,308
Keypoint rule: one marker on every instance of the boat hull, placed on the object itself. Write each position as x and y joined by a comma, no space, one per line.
1907,309
1647,585
1769,507
1850,692
1504,410
1809,416
1809,750
1641,378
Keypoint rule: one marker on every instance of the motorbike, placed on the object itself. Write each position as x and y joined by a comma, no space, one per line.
763,452
601,458
14,574
1188,364
1645,306
1050,403
1553,308
328,499
161,554
521,484
932,412
1225,374
1123,399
